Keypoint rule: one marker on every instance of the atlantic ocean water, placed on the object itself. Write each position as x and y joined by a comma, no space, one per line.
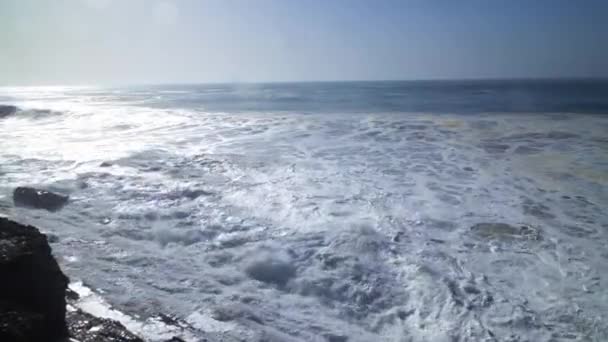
338,211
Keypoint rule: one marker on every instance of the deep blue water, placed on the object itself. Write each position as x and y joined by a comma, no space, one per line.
494,96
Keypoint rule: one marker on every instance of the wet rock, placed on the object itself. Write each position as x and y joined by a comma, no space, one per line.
71,294
105,164
398,237
167,319
39,199
32,287
6,110
87,328
33,293
504,231
175,339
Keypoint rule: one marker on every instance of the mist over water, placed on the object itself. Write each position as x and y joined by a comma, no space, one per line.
362,211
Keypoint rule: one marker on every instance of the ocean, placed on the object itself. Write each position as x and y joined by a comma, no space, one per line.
334,211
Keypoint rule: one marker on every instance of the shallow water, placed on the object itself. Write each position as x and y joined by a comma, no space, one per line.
273,221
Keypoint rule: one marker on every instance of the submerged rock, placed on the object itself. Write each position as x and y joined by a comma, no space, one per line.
87,328
32,286
6,110
504,231
39,199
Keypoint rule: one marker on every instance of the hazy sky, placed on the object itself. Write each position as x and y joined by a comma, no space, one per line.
142,41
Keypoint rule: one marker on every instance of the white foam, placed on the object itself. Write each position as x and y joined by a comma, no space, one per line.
150,329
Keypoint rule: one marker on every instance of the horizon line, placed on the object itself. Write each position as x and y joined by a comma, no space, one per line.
169,83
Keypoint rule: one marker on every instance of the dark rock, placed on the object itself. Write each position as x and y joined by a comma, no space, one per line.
105,164
6,110
398,236
32,287
87,328
33,293
39,199
175,339
468,168
167,319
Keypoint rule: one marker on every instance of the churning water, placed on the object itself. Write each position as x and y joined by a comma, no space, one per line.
370,211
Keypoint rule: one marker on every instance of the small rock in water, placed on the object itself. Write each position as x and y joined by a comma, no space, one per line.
468,168
6,110
398,236
175,339
105,164
39,199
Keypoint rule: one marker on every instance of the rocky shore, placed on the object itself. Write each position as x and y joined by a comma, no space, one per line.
33,294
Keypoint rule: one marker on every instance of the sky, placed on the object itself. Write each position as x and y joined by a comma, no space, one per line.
88,42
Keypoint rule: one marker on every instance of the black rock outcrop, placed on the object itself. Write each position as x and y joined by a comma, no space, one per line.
32,286
33,293
39,199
